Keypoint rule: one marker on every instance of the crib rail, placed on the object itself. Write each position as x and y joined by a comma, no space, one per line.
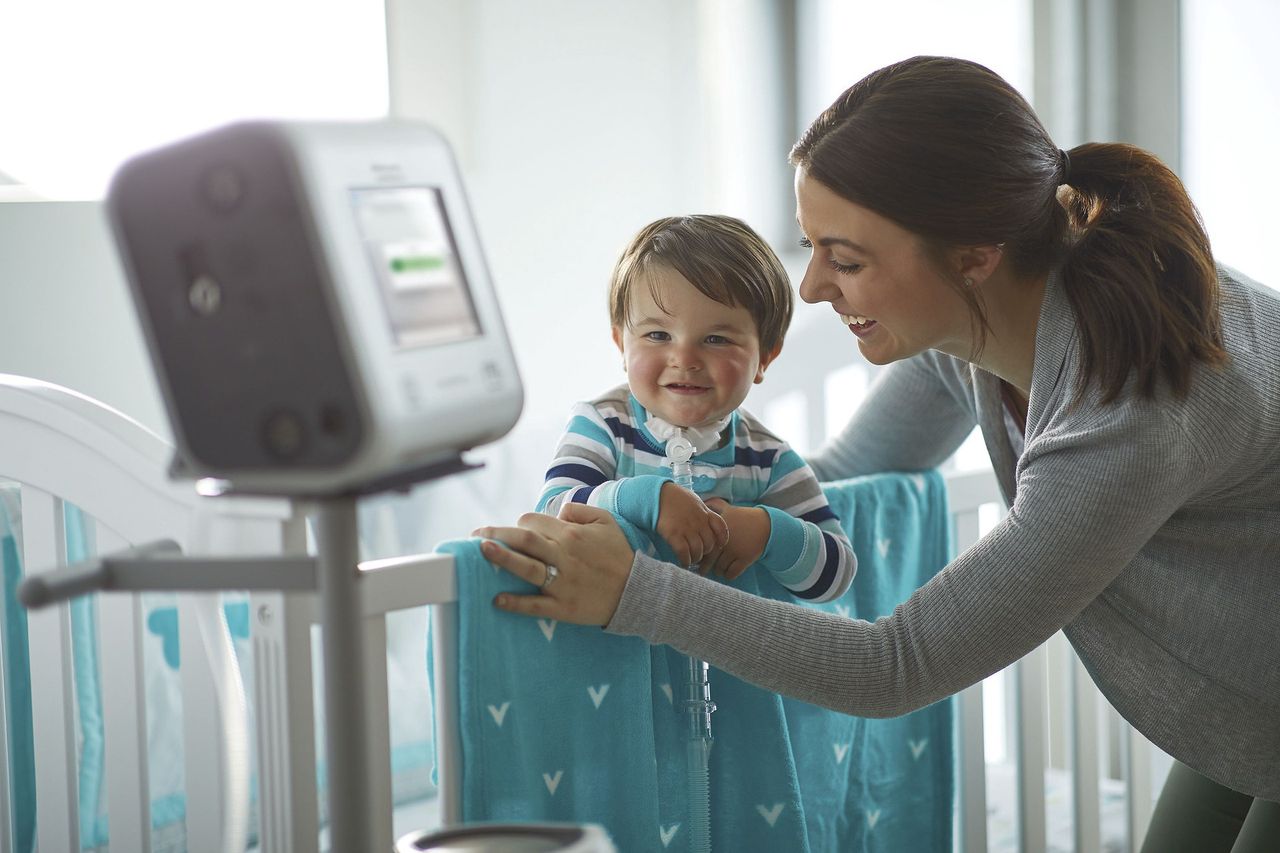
64,448
76,451
1083,728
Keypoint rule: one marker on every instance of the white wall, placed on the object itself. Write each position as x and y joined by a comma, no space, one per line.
576,123
65,312
1231,105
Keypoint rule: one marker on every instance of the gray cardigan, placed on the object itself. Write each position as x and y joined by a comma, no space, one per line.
1147,530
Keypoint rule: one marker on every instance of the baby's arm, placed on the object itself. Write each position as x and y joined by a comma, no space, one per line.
807,551
585,470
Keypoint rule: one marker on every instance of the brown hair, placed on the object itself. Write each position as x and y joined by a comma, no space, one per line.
950,151
722,257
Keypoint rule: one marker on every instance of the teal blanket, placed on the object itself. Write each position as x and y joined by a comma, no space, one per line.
565,723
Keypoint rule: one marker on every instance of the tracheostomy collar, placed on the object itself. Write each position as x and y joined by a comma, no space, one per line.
702,438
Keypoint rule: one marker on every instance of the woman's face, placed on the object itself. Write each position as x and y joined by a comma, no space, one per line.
878,279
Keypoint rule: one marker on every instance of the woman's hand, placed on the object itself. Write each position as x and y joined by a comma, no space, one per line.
749,529
589,551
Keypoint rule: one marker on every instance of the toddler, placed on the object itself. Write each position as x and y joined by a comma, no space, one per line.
699,306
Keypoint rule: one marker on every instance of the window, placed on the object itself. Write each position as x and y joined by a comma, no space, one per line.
88,84
1231,121
843,41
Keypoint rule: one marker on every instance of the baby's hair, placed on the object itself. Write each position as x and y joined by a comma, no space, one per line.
719,255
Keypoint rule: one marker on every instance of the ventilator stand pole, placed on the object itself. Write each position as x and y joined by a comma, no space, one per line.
352,827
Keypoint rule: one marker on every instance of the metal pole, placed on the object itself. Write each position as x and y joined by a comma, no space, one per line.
346,729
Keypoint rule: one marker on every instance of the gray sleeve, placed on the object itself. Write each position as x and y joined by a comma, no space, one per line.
1088,500
913,418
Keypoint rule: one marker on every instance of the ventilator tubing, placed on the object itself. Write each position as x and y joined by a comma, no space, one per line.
698,704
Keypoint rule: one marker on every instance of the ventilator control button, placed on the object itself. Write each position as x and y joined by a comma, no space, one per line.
284,434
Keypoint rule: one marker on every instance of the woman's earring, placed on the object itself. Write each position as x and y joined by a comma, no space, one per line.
968,282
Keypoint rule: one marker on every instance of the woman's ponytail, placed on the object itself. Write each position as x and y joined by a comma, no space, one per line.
1138,271
950,151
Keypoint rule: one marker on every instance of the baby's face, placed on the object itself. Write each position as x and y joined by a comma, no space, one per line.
690,360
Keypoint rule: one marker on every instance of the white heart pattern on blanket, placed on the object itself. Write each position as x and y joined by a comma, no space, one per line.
597,696
770,815
666,690
499,714
883,546
917,747
552,782
668,833
841,749
548,627
873,817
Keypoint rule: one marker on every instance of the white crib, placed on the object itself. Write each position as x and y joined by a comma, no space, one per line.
63,447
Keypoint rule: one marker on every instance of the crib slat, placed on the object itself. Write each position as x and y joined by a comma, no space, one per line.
973,773
964,501
52,697
205,768
6,784
378,719
289,818
1137,760
448,737
966,530
1085,770
124,712
1031,751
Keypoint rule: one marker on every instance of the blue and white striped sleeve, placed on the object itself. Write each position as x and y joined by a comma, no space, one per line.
808,551
585,471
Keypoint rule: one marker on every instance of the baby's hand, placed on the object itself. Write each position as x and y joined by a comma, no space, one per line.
749,530
688,526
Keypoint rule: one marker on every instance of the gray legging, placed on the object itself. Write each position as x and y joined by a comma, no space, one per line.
1196,815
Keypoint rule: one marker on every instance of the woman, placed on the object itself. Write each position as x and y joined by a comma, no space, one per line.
1068,303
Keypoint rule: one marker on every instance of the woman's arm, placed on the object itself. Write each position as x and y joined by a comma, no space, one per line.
1086,505
912,419
1088,500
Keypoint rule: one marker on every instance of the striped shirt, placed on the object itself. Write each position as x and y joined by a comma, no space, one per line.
607,458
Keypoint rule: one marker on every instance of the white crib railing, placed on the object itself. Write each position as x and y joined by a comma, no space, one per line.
1033,727
61,447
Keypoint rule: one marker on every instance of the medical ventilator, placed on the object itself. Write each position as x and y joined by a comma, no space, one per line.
316,303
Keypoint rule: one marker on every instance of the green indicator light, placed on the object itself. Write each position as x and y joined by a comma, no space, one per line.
418,263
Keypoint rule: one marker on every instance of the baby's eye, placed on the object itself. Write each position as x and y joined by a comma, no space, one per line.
657,336
718,339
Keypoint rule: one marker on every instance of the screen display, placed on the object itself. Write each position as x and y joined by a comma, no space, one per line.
415,262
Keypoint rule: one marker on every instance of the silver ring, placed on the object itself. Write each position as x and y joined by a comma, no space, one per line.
552,574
